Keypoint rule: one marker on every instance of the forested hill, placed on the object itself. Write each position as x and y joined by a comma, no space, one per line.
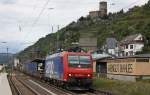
119,25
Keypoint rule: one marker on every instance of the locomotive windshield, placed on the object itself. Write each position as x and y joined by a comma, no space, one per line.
76,60
84,59
73,59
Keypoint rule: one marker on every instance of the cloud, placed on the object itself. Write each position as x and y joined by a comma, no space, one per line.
8,1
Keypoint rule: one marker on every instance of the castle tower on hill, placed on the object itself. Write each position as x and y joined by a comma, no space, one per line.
102,12
103,8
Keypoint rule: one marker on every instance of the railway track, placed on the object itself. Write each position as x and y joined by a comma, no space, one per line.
38,87
66,92
14,89
20,88
59,90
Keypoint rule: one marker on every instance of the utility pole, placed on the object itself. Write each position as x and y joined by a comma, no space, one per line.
7,52
20,29
7,55
57,45
52,29
49,18
11,65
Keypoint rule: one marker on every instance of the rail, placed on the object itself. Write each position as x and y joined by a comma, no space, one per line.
61,90
15,90
54,87
31,89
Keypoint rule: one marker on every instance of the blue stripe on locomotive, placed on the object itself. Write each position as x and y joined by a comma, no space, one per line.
54,67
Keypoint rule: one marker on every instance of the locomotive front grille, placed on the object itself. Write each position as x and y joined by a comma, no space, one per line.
80,81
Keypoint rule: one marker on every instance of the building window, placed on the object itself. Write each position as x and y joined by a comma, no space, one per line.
122,53
126,46
126,53
131,46
131,52
116,45
140,38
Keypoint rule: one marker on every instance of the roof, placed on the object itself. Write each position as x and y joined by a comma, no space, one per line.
136,56
38,60
100,54
141,56
94,11
111,43
130,38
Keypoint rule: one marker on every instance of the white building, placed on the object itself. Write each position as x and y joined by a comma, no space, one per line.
16,62
132,44
1,67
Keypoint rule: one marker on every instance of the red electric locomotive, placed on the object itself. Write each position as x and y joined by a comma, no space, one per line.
70,69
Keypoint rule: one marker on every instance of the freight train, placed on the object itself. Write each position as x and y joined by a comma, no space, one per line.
34,68
72,70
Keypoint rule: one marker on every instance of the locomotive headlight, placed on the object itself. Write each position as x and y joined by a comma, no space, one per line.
89,75
70,75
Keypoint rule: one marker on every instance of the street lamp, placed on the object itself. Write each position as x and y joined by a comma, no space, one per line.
50,29
49,17
50,8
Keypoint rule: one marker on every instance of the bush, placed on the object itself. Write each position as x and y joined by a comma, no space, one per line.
122,87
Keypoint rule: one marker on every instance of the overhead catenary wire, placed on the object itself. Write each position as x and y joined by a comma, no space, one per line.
133,3
38,17
36,6
20,27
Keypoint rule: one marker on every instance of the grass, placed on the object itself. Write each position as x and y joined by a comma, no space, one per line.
122,87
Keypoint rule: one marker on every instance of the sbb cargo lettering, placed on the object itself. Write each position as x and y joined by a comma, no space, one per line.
122,68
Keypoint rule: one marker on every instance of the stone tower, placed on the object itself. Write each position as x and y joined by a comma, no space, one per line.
103,8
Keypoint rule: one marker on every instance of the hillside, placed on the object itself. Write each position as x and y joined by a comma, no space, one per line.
119,25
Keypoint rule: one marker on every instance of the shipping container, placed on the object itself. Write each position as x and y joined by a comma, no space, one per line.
30,68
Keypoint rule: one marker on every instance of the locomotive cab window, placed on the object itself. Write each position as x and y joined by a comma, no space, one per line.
79,61
85,60
73,59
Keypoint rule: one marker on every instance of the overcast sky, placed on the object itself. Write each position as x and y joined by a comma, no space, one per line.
21,25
